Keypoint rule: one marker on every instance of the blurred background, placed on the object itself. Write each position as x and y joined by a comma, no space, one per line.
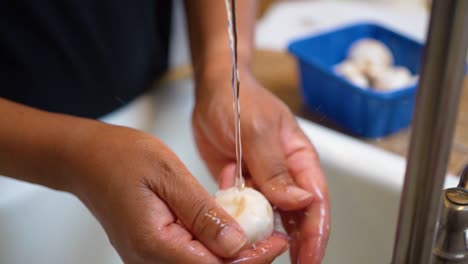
282,21
299,46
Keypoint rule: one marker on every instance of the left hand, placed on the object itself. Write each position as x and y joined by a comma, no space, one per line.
278,159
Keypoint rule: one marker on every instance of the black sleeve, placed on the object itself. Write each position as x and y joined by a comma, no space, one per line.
81,57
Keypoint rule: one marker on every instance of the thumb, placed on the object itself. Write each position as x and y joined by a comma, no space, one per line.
267,164
197,210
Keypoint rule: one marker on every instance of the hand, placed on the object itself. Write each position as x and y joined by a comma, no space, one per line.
152,208
278,158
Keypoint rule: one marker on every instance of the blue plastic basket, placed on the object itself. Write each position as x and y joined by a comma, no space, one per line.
363,112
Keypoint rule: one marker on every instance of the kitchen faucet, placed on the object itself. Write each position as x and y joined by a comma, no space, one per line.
433,224
451,242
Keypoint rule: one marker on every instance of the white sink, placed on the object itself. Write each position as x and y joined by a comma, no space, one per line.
41,226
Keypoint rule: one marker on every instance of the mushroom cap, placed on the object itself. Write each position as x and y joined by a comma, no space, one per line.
250,209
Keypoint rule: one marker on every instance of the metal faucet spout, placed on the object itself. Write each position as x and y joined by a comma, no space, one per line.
436,110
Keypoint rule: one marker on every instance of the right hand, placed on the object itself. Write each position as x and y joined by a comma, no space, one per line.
151,207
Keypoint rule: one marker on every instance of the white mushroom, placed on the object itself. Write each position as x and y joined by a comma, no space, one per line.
250,209
373,73
359,80
393,78
370,65
350,71
347,67
370,53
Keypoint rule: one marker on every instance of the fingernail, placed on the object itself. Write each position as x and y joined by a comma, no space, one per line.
231,239
299,194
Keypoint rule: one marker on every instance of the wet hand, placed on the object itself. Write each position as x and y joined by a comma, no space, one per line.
278,158
151,207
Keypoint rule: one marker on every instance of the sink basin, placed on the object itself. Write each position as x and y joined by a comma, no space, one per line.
42,226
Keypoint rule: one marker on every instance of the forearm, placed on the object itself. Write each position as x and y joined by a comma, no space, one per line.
36,146
209,40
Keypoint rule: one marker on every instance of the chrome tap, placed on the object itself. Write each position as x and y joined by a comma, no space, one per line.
436,110
451,245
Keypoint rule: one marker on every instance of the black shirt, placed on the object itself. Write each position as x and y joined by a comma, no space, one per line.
81,57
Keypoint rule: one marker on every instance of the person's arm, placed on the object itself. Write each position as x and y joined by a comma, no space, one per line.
209,42
35,145
279,159
152,208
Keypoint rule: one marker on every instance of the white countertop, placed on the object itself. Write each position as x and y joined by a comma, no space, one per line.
289,20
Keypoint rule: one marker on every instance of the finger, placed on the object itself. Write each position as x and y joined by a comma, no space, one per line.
227,177
312,250
156,237
214,154
314,226
303,161
291,223
178,246
197,210
264,252
267,163
314,232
